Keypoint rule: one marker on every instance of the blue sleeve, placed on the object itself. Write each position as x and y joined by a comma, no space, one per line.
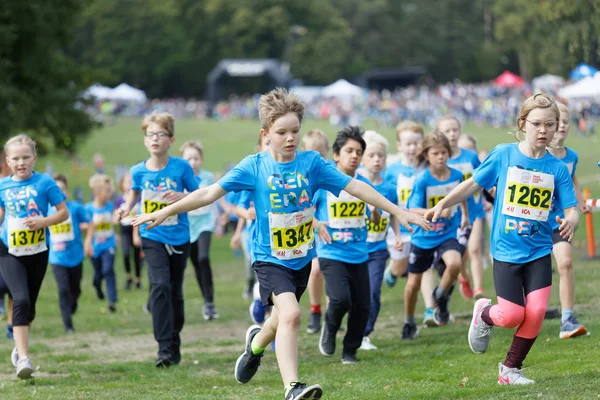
486,175
241,177
330,178
245,199
189,179
82,214
565,191
55,195
318,199
575,165
475,161
417,195
136,179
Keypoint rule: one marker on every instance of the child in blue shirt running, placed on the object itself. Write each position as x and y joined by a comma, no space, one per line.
283,182
440,245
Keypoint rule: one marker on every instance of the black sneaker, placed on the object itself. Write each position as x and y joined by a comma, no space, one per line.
409,331
112,308
247,364
138,285
175,354
210,312
301,391
99,292
327,341
163,360
441,316
314,323
74,308
128,284
349,358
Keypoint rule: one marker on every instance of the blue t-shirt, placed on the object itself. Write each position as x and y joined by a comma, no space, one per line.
22,199
521,231
178,176
402,177
232,198
570,159
346,218
282,194
427,192
466,162
203,219
66,245
377,233
104,233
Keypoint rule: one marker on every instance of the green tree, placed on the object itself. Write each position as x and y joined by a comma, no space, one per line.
40,85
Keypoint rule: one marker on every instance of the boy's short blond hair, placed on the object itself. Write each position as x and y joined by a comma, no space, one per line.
21,139
193,144
164,119
373,138
99,180
276,104
563,108
313,137
410,126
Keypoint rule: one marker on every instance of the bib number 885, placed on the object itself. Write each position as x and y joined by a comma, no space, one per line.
293,237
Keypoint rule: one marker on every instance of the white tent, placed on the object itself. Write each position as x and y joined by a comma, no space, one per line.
342,88
124,92
98,91
587,87
547,82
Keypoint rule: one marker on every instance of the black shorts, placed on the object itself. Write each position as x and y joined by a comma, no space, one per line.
462,236
276,279
514,282
420,260
556,238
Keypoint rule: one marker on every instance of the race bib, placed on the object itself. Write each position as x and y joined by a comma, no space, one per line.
22,241
346,211
153,201
62,233
528,194
291,234
435,194
103,227
378,232
465,168
404,188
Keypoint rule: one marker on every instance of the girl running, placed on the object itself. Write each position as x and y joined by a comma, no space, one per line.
128,244
66,255
202,224
440,245
570,327
374,161
527,178
24,200
283,182
161,180
100,240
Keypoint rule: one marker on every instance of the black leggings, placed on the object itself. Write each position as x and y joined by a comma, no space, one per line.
68,281
126,246
200,259
23,276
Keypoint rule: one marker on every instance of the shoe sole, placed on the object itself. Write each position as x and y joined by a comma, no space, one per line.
310,393
472,325
163,364
25,373
237,363
312,331
572,334
321,346
430,323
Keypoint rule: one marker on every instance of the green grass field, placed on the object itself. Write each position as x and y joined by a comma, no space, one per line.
112,355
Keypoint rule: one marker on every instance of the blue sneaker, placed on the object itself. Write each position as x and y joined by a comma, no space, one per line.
428,320
389,278
257,312
9,332
571,328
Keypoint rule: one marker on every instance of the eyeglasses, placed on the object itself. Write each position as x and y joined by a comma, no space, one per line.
159,135
549,125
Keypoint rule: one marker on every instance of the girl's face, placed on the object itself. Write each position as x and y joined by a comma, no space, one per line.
284,136
374,158
451,129
409,144
437,157
563,129
192,156
157,140
349,158
21,161
540,127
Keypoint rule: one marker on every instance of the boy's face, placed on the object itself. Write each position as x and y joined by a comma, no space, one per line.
374,158
157,140
192,156
283,136
102,192
320,146
451,129
350,157
409,144
61,185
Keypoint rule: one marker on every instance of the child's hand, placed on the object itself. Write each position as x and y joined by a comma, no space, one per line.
156,218
35,223
446,213
172,196
398,245
323,233
234,243
566,229
89,250
406,218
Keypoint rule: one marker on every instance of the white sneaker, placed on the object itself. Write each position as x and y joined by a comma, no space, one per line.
367,345
24,368
512,376
14,357
479,331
